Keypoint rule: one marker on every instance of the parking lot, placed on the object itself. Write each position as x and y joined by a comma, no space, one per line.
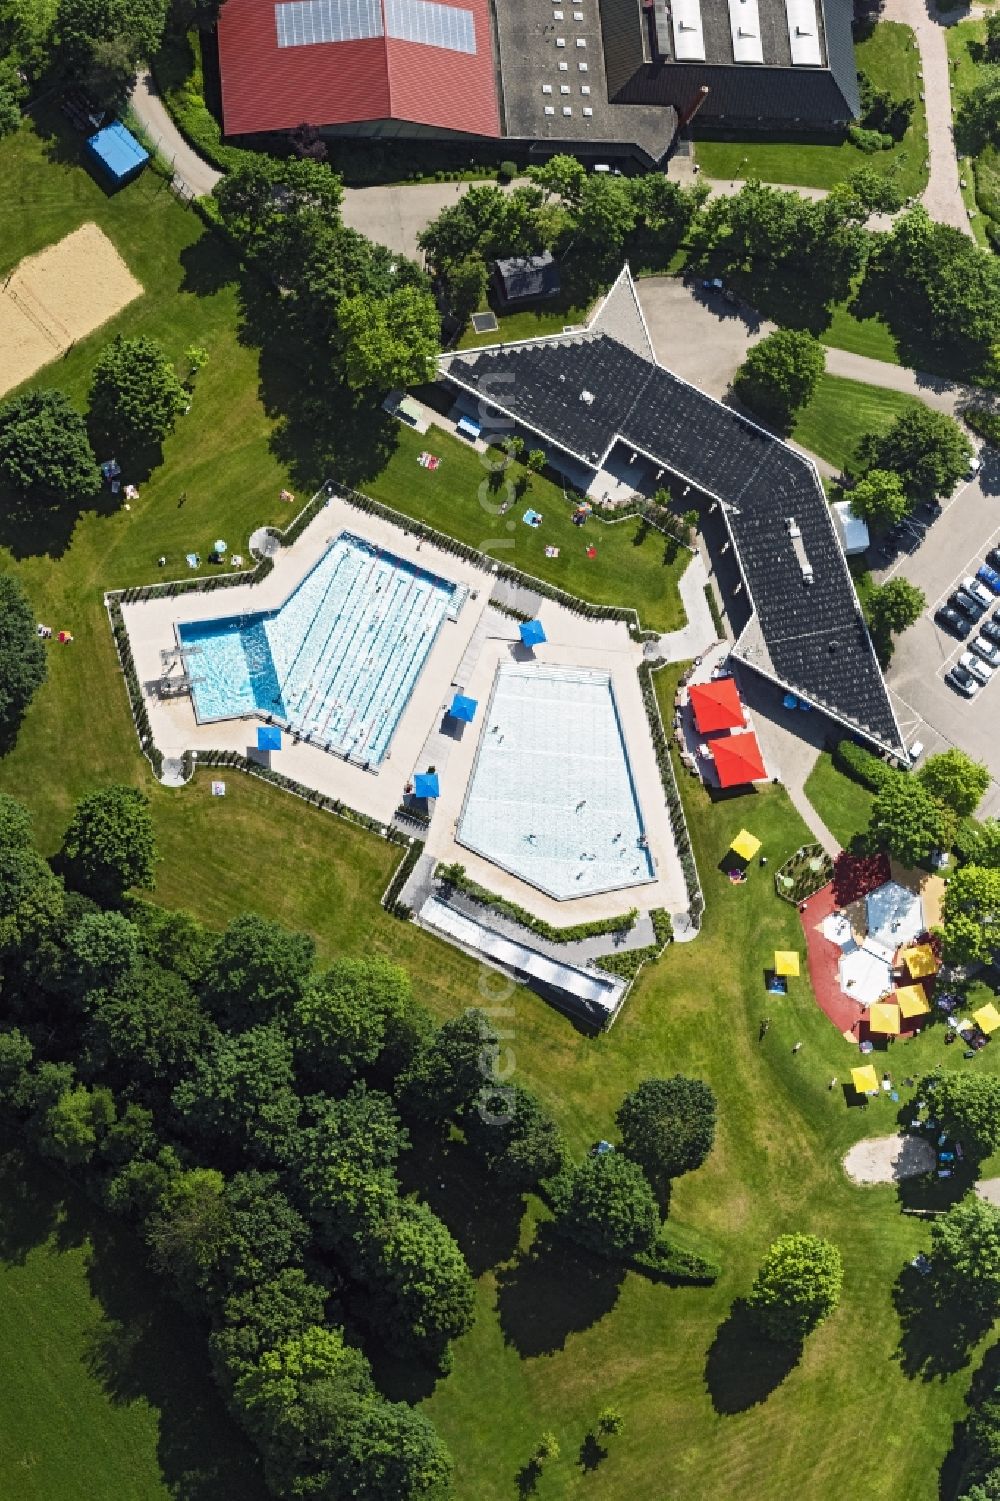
937,556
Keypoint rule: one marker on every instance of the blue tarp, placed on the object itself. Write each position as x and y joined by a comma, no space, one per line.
463,708
532,633
468,428
425,784
117,152
790,701
268,737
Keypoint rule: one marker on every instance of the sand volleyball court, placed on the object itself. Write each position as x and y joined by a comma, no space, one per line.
58,296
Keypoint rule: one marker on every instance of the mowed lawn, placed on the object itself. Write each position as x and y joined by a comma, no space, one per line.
890,59
556,1339
634,566
841,412
843,804
105,1390
108,1398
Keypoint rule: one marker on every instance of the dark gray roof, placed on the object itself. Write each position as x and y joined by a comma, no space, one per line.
586,392
528,276
767,92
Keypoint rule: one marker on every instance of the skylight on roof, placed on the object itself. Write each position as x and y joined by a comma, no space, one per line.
689,39
431,24
305,23
803,33
744,25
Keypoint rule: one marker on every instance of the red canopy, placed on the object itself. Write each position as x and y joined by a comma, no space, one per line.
738,760
716,705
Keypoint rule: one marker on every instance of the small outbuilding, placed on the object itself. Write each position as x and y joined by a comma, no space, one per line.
852,531
526,278
116,153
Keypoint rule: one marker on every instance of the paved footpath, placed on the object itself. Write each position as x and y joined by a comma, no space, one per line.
942,198
191,168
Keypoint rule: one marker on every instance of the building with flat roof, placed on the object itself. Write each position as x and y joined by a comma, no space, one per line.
599,78
599,400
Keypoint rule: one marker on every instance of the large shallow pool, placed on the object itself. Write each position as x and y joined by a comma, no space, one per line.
337,662
551,797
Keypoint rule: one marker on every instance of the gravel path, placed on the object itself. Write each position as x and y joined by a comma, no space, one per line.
942,197
889,1159
191,168
989,1189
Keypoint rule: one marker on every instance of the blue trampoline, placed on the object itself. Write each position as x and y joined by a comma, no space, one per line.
268,737
463,708
117,153
532,633
425,784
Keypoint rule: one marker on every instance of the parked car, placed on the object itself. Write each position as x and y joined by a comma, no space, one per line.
989,577
993,557
988,650
976,666
953,622
962,681
712,284
977,589
962,600
975,464
990,629
916,751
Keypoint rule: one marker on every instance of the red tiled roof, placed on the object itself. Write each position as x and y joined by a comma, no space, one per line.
738,760
267,87
716,705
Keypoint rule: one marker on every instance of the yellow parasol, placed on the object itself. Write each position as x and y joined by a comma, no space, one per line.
865,1079
745,845
987,1018
912,1001
883,1017
786,962
920,961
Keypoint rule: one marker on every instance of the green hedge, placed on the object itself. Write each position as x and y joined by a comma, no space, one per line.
454,875
675,808
984,422
862,765
400,876
669,1262
629,962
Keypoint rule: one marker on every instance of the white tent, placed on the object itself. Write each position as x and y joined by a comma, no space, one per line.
838,930
865,975
895,915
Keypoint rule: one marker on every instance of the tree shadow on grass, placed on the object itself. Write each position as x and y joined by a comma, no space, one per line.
31,527
957,1474
142,1346
209,265
554,1290
482,1215
743,1368
938,1333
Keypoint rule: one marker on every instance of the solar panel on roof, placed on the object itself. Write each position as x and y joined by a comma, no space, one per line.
432,24
303,23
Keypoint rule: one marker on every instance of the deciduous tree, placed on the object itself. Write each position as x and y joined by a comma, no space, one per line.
515,1138
879,498
908,822
971,915
780,374
110,846
390,341
955,780
22,655
965,1255
44,449
893,606
797,1287
668,1125
968,1107
927,449
607,1205
256,972
135,395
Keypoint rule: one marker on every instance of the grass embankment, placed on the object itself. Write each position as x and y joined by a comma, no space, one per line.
890,59
981,173
634,565
841,411
556,1339
843,805
105,1390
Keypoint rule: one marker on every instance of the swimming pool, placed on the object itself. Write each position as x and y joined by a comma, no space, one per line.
551,797
337,662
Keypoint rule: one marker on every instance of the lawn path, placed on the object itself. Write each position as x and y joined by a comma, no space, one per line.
942,198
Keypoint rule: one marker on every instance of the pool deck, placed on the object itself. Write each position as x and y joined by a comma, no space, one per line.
474,646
